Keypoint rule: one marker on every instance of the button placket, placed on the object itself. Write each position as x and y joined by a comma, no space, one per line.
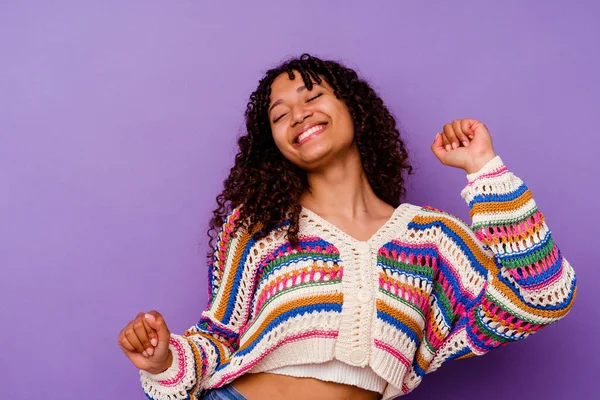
358,356
362,295
364,255
363,248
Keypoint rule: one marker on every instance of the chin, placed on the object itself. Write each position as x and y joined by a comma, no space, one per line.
314,160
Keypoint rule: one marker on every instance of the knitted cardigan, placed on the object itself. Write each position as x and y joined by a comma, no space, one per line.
424,289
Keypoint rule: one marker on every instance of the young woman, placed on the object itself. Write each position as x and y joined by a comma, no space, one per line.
323,284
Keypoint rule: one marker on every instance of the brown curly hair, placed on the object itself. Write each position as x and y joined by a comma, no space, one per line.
269,186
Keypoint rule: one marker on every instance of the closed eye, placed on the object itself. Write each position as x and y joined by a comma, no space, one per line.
315,97
309,100
278,118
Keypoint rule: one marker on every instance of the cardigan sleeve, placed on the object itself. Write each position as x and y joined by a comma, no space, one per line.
504,273
211,342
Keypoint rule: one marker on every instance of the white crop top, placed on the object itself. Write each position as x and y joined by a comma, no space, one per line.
336,371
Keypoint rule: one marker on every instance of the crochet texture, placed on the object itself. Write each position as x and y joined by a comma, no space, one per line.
423,290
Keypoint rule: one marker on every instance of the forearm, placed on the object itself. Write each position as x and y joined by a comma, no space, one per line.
529,278
178,380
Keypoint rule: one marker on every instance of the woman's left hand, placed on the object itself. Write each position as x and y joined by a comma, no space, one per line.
464,143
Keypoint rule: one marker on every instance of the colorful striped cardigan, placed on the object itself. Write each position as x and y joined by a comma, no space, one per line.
423,290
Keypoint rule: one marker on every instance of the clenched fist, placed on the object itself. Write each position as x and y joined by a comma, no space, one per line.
145,340
464,143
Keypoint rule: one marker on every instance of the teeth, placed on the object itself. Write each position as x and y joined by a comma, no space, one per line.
309,132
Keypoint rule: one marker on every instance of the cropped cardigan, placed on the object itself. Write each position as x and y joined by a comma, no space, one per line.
425,289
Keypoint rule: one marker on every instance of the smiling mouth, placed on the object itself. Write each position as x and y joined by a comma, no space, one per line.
309,133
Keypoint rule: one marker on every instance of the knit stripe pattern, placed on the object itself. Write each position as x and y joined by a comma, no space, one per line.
427,288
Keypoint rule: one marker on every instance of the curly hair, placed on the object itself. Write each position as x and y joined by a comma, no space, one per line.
267,187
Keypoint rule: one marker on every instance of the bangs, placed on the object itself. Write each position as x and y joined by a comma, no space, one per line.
308,74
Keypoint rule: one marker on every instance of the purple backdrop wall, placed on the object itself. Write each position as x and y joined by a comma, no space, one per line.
118,122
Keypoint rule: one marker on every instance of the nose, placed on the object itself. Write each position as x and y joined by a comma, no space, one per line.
299,114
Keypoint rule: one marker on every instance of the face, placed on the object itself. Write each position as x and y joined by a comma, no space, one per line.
310,128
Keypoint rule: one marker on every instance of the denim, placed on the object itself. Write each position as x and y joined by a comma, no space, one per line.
227,392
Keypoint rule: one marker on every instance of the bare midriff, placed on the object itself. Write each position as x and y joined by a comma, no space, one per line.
265,386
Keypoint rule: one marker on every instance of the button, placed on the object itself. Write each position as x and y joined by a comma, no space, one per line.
364,295
363,248
358,356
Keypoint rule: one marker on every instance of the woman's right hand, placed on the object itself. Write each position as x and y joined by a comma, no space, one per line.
145,340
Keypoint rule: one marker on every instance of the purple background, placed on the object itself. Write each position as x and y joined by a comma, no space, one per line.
118,124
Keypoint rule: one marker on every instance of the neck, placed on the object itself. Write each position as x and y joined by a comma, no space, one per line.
342,189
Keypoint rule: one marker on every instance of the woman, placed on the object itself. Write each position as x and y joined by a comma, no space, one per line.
323,285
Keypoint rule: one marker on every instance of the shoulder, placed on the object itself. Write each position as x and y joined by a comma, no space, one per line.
233,232
231,225
450,231
428,216
237,225
238,231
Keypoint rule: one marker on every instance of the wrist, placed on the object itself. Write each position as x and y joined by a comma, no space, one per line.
163,367
479,162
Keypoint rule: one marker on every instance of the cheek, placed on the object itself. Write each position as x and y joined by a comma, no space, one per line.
280,138
344,112
337,110
345,119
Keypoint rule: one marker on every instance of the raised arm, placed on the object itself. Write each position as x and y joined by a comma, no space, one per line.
511,278
503,278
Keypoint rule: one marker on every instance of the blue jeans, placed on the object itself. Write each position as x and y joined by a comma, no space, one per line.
227,392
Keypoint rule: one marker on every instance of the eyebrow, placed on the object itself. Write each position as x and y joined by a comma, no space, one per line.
278,102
